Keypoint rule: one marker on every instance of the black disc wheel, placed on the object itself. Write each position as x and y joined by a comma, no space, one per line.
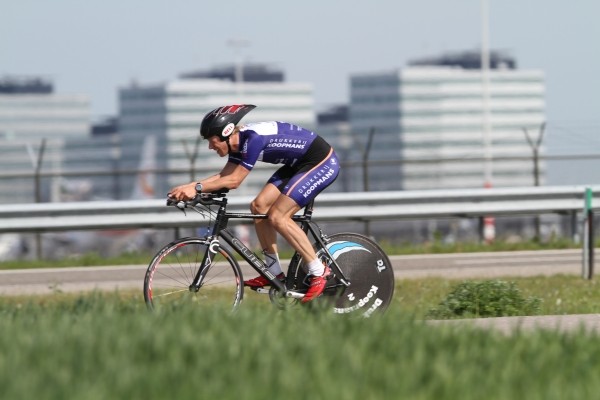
366,267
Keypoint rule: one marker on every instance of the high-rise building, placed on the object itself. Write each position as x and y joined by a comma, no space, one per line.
31,110
334,126
172,113
32,115
429,117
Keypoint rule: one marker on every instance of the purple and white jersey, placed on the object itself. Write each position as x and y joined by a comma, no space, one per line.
272,142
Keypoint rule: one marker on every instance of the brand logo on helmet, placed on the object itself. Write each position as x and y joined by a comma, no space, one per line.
229,109
228,130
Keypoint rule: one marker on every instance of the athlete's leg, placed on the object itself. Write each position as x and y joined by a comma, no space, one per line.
302,188
267,235
280,218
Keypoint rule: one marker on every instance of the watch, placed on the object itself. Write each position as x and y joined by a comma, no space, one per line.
198,187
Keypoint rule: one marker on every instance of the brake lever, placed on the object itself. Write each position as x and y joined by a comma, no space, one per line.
181,205
178,204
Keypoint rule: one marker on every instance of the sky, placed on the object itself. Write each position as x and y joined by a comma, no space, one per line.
94,47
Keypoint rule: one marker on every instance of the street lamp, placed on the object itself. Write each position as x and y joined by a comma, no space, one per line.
238,44
489,229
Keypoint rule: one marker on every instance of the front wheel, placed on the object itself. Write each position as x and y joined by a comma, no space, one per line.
364,264
173,269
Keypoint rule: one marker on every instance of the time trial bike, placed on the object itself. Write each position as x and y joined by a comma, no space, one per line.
203,270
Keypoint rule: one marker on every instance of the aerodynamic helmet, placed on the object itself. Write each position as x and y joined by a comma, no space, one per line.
221,121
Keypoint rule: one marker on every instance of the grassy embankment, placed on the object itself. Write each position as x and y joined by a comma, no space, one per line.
99,346
107,345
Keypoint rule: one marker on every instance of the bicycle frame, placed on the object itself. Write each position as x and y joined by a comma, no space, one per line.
221,231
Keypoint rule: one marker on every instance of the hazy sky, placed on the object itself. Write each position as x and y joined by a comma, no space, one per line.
95,47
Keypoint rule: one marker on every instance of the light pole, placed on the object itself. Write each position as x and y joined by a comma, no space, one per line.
237,44
485,83
489,229
37,165
365,163
115,155
192,155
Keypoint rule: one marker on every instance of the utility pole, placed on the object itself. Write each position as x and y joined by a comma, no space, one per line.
485,84
488,224
237,44
365,163
37,165
535,148
192,155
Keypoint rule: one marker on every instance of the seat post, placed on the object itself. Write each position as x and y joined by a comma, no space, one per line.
308,210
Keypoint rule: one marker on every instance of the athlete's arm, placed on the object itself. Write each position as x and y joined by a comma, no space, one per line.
227,169
230,177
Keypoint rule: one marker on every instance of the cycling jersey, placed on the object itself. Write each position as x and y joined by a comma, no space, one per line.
272,142
309,162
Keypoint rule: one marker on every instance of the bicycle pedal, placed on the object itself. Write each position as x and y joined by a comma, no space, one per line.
260,290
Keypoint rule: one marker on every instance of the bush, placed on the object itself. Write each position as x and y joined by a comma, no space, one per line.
493,298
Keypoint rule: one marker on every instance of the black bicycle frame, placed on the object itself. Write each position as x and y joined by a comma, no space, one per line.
220,230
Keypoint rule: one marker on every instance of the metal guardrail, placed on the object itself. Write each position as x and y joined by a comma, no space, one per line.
426,204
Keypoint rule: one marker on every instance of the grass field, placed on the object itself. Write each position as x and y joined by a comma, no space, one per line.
107,345
559,294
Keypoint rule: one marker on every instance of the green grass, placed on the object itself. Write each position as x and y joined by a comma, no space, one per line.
86,260
559,294
437,246
107,345
101,346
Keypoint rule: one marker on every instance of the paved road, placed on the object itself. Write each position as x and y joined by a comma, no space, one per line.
474,265
489,265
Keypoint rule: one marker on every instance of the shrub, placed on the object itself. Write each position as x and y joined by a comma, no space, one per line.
492,298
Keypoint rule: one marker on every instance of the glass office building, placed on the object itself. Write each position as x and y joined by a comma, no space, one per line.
30,113
171,112
429,117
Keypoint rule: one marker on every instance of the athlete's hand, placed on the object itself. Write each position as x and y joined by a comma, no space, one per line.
183,192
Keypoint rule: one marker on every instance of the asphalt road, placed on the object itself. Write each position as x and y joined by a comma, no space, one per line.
473,265
455,266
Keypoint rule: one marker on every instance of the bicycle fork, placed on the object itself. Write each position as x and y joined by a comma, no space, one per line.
207,261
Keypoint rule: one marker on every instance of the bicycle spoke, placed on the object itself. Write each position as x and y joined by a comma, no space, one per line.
171,273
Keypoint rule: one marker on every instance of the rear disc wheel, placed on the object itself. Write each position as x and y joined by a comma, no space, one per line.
364,264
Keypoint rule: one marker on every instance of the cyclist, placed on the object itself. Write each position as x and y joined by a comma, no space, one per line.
309,166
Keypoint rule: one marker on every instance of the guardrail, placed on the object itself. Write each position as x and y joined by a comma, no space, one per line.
426,204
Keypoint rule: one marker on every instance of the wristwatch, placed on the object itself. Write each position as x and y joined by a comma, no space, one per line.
198,187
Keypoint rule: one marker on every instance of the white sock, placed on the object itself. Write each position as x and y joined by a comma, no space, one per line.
273,264
316,267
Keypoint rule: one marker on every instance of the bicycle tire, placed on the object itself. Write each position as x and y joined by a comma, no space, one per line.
364,264
173,268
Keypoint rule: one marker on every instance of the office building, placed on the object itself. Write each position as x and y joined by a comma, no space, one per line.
171,112
429,117
34,122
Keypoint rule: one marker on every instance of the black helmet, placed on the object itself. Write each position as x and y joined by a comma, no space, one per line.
221,121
